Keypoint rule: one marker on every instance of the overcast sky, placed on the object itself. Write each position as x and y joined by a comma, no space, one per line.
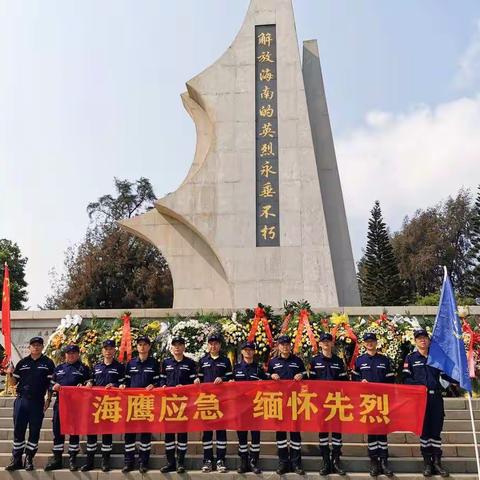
90,90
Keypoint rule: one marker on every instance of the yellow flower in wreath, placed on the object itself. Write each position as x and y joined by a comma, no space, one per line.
338,319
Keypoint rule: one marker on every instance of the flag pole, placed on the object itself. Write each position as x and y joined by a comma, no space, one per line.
474,432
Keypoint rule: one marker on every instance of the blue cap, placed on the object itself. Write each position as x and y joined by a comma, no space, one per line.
180,340
284,339
369,336
214,338
71,349
143,338
36,340
421,332
248,345
109,343
325,336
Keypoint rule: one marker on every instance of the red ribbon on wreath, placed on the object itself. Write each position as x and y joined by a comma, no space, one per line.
126,343
285,324
351,335
470,360
304,322
260,316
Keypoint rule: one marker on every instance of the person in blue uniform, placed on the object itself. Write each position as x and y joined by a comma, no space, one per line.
72,373
287,367
327,366
417,372
214,368
244,371
32,375
140,372
107,373
175,371
375,367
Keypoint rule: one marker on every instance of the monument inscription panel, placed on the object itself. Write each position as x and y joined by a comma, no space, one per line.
266,139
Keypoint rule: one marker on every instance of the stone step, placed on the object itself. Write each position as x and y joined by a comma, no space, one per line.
7,413
270,448
197,475
6,435
269,463
448,426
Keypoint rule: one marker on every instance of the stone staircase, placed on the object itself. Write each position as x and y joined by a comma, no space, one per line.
406,461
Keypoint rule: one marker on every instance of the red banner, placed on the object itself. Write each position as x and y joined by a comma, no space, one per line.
6,317
307,406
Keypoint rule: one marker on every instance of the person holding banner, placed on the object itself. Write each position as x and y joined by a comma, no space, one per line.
417,372
32,376
375,367
175,371
69,374
108,373
248,370
214,368
327,366
287,367
140,372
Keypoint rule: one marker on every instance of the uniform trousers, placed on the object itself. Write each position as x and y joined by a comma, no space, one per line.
430,440
336,443
27,413
295,447
221,440
243,443
145,445
181,444
59,439
106,443
377,446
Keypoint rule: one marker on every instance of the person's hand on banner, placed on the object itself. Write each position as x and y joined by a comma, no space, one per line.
196,381
122,386
56,387
298,377
149,387
110,385
275,376
217,381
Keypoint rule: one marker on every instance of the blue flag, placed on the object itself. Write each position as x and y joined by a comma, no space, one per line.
447,350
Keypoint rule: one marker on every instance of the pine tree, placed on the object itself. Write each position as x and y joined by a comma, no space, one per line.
379,278
474,254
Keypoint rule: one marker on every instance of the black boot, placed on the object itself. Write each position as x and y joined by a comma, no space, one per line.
90,463
374,467
128,467
105,462
243,468
325,467
29,462
171,465
15,464
297,467
427,466
385,468
336,467
283,468
254,463
181,461
438,467
72,462
55,462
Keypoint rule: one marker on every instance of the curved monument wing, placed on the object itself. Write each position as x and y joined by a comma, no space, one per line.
218,209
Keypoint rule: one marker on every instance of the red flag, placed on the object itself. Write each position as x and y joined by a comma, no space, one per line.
6,317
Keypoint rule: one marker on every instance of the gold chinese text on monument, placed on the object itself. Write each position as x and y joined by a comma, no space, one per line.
266,139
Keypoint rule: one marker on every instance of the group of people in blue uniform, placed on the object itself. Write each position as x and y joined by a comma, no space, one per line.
38,380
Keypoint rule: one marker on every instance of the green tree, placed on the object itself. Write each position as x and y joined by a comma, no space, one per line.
379,278
474,254
10,253
434,237
112,268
